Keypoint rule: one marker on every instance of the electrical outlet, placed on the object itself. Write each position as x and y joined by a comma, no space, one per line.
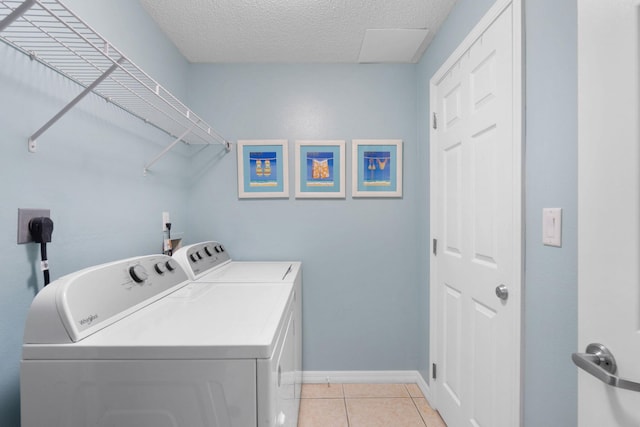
26,215
165,220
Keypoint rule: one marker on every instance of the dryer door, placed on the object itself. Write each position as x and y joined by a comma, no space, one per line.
278,403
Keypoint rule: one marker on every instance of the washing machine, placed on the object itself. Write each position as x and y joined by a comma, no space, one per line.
137,343
210,262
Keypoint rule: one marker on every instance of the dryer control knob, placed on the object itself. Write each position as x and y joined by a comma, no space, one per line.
171,265
159,267
194,257
138,273
199,255
208,250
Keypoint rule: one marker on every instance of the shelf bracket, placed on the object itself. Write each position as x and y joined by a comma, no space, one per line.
32,140
17,13
165,151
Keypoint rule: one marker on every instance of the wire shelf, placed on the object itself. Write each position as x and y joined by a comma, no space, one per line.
51,33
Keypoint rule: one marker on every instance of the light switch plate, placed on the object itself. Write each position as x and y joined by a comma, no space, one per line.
165,219
26,215
552,227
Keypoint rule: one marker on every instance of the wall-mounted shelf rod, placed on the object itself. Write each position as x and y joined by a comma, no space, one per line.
18,12
165,151
69,106
168,148
50,33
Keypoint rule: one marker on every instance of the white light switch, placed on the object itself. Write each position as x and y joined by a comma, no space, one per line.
552,226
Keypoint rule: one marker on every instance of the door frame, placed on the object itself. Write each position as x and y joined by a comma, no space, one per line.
517,286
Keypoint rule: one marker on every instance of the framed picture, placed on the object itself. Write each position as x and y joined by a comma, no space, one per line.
263,170
320,169
377,168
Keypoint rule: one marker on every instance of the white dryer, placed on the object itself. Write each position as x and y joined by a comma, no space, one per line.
210,262
136,343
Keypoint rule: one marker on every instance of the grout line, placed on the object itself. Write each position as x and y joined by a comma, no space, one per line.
413,400
406,387
346,411
376,397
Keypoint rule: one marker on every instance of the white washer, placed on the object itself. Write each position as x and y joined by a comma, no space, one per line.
210,262
135,343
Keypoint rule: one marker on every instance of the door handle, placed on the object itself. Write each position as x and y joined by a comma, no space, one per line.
502,292
599,362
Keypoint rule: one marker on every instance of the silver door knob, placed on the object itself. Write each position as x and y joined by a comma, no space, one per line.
502,292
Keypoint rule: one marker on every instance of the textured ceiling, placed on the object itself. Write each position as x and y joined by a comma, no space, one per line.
327,31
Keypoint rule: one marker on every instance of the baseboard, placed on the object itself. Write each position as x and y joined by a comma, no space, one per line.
369,377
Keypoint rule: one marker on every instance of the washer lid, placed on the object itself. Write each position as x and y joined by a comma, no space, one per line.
199,321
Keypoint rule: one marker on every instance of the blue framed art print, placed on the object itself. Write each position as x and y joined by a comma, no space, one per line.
377,168
320,169
263,170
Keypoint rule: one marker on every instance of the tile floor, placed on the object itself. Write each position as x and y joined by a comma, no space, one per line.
366,405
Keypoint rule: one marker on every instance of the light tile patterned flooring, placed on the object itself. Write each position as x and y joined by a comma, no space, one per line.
366,405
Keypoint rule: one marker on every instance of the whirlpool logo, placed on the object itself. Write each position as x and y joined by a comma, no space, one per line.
88,320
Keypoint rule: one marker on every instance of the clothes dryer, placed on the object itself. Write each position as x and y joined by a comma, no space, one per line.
135,342
210,262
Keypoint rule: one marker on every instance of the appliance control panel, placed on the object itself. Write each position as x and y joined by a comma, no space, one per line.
202,257
93,298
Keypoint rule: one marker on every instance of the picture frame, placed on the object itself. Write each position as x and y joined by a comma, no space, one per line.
320,169
263,168
376,168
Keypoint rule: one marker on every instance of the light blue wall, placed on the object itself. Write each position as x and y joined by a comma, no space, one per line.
361,289
551,293
550,297
88,171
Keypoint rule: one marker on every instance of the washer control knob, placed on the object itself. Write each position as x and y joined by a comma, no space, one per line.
171,265
208,250
138,273
160,268
199,254
193,257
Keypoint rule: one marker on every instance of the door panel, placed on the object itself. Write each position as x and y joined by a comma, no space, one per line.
483,149
609,205
484,364
453,208
475,209
451,345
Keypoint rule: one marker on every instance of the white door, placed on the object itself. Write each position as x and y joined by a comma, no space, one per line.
476,220
608,207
